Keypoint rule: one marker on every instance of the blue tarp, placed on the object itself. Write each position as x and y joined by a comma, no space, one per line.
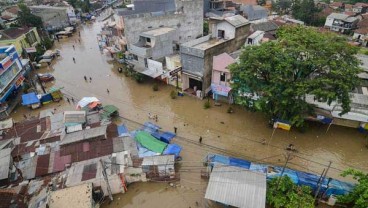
173,149
150,127
123,131
165,137
46,98
144,152
298,177
30,99
239,163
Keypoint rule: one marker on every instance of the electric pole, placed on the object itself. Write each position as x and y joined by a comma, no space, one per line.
321,181
106,179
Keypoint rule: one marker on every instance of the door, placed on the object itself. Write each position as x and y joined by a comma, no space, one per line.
195,83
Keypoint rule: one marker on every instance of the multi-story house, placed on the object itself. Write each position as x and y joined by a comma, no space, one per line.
341,22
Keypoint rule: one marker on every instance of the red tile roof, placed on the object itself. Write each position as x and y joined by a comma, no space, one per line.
348,6
363,23
337,4
251,2
361,5
14,32
363,31
14,10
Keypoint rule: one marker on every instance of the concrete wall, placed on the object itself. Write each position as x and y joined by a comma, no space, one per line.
227,27
188,21
163,45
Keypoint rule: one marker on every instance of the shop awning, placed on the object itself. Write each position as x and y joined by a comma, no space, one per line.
30,99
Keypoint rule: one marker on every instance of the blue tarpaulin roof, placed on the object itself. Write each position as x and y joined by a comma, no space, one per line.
30,99
123,131
173,149
165,137
150,127
298,177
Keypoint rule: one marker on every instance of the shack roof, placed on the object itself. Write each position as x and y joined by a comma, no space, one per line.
30,99
237,20
74,117
237,187
159,160
265,26
5,155
76,196
84,135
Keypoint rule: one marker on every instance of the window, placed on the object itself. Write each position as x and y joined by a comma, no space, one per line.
222,77
148,40
221,33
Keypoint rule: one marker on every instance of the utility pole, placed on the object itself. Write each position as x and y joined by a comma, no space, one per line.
106,179
321,181
283,169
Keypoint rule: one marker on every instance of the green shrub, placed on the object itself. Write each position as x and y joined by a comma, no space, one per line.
155,87
138,77
207,104
230,110
173,94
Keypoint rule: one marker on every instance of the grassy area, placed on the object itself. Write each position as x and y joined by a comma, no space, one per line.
363,50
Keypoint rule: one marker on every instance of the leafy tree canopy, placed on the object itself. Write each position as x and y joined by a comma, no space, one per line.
306,11
302,61
358,198
26,18
84,5
282,192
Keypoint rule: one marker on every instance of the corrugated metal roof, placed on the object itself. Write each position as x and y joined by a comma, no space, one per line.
237,187
159,160
75,117
84,135
4,163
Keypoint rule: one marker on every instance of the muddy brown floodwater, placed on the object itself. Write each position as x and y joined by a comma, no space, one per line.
239,134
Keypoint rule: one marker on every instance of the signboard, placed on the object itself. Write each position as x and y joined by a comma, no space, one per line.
6,62
19,81
220,89
175,71
31,50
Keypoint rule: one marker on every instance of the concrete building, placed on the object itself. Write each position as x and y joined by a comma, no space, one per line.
54,17
22,37
187,19
227,35
360,8
10,14
13,71
341,22
220,83
150,50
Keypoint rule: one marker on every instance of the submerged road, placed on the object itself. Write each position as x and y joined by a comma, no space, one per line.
239,134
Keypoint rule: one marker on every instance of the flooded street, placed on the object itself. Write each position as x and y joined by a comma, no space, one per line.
238,134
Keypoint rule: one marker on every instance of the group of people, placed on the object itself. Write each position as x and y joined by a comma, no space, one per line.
154,117
86,79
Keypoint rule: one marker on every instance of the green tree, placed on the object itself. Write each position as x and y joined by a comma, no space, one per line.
302,62
205,28
358,198
26,18
282,192
282,6
306,11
